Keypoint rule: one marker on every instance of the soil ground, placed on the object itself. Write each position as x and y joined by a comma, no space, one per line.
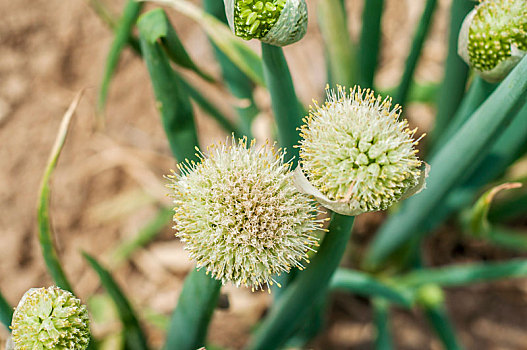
109,183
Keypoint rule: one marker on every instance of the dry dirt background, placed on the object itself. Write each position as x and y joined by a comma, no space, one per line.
109,184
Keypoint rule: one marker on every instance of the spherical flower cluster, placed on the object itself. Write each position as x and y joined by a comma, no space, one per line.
356,156
240,215
493,37
277,22
50,319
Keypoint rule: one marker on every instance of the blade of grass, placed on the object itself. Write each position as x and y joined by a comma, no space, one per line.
45,231
172,100
381,319
239,53
123,33
190,319
464,274
362,284
415,52
143,237
287,112
370,40
133,334
290,308
449,165
237,82
337,42
456,71
6,313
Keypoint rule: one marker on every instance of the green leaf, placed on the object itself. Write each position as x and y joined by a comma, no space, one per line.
449,166
123,34
143,237
438,319
6,312
241,55
509,208
415,51
44,226
285,315
339,48
359,283
134,336
456,71
287,112
172,100
464,274
370,40
381,319
191,317
157,28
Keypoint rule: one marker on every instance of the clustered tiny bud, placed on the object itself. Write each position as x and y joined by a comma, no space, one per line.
277,22
356,156
50,318
240,215
493,37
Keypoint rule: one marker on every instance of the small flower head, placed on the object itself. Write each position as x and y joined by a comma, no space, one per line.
277,22
356,155
493,37
50,318
240,215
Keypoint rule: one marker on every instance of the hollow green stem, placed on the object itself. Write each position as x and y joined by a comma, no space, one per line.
287,112
456,71
191,317
381,319
295,302
415,51
440,322
339,48
362,284
370,40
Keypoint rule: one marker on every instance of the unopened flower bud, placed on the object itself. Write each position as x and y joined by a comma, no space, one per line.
276,22
50,318
493,37
356,156
240,215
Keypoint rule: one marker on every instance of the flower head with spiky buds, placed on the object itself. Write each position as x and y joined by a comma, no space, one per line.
240,215
50,318
276,22
493,37
356,156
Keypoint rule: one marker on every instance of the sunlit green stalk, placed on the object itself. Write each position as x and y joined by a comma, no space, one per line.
370,41
287,112
456,71
468,145
339,48
292,307
415,52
